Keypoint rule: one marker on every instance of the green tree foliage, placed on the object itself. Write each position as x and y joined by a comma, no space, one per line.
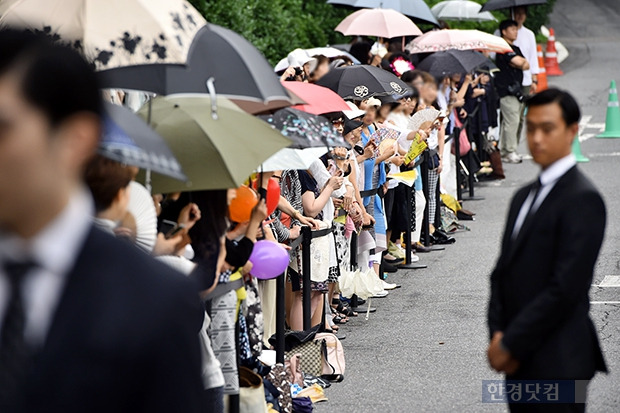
276,27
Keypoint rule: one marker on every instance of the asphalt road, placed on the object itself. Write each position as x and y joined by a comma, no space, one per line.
424,349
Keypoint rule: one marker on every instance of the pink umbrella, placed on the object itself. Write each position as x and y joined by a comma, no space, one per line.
319,99
386,23
440,40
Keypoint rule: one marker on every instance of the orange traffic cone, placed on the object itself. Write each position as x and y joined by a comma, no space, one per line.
542,73
551,57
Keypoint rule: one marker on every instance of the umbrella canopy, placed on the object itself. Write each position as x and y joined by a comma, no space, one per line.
111,33
363,81
304,129
289,158
127,139
328,52
318,99
441,40
461,10
241,73
217,147
417,9
452,61
364,284
505,4
385,23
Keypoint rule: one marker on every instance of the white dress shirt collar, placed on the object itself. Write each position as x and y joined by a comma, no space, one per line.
57,245
548,178
55,250
557,169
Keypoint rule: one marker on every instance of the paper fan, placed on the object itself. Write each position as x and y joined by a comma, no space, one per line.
143,210
382,134
385,144
419,118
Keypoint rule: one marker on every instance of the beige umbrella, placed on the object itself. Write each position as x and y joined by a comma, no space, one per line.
217,144
386,23
111,33
455,39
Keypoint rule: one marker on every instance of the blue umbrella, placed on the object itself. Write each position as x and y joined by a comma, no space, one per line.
128,139
417,9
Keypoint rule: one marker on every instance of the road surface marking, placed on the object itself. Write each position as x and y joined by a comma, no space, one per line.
586,124
610,281
604,302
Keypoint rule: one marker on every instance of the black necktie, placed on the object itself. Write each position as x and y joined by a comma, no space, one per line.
15,354
536,188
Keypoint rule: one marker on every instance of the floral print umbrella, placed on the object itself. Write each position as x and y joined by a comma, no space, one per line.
304,129
111,33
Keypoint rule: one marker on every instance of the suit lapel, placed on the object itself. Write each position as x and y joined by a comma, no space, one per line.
73,296
528,224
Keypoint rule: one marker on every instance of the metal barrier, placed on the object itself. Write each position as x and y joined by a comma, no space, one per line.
305,240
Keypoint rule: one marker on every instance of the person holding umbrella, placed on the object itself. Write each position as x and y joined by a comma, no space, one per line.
508,82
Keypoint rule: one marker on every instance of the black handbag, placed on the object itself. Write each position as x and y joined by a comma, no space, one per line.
433,159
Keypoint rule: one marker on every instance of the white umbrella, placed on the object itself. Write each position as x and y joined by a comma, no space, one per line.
461,10
289,158
328,52
365,284
111,33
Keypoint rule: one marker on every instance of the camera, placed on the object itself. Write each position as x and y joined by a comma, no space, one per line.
515,90
298,72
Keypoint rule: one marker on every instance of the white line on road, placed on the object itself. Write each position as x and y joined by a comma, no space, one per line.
610,281
600,155
604,302
585,124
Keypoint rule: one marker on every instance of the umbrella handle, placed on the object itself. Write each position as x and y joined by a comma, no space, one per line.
211,88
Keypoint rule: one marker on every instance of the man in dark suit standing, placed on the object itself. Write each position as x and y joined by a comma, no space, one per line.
538,311
87,323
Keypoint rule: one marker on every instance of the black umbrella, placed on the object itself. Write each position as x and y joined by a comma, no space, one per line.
304,129
128,139
363,81
241,73
452,61
506,4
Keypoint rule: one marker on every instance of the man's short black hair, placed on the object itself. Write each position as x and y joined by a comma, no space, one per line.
506,24
570,108
54,78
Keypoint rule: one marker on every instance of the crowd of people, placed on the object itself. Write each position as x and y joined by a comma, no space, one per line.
351,189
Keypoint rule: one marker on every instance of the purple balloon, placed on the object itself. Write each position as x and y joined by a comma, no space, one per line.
269,259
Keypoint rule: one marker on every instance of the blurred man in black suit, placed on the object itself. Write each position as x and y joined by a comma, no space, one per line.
538,312
87,323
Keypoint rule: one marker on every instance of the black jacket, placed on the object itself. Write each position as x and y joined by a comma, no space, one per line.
124,338
540,286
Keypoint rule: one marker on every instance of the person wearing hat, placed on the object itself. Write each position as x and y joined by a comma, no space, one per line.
300,66
352,134
354,112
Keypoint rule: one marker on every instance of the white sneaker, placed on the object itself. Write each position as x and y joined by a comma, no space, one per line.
388,286
380,294
512,157
414,258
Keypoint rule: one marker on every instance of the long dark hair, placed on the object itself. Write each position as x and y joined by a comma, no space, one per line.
206,234
212,225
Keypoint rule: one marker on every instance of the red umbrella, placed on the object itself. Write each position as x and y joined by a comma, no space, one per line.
319,99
